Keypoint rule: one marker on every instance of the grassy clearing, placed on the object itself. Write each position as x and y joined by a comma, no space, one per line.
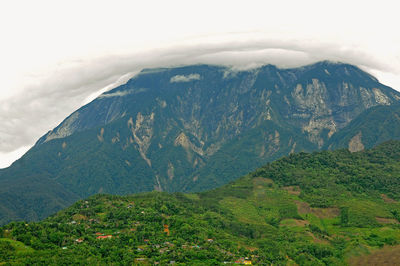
18,247
385,256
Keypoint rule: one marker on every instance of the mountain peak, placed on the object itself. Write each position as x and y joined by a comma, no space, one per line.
191,128
158,81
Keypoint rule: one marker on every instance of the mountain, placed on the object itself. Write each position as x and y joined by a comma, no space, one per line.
324,208
373,126
188,128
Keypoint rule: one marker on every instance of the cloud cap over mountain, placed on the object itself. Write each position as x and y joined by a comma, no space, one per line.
86,52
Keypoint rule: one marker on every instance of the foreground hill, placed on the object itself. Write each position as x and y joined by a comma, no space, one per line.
186,129
311,209
373,126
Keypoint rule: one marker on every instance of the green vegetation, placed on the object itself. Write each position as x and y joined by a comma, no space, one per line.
310,209
155,134
376,125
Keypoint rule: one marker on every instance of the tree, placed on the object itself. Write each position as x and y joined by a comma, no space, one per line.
344,216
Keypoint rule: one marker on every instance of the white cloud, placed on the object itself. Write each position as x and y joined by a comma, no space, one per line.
56,56
100,93
184,78
42,104
7,158
115,94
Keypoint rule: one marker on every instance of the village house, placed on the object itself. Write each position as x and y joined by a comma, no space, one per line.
243,261
169,244
166,229
163,250
104,237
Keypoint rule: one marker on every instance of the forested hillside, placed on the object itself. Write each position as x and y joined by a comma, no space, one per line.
373,126
322,208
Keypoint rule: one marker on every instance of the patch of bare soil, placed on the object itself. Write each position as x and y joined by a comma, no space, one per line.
301,222
387,256
387,199
294,190
317,240
262,181
296,222
387,220
304,208
79,217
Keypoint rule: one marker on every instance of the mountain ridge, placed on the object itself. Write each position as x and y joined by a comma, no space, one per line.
175,129
305,69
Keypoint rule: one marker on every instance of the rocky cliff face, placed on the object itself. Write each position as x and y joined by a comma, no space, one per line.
197,127
216,103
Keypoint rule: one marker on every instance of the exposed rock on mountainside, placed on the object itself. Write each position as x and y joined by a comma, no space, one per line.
355,143
195,127
374,126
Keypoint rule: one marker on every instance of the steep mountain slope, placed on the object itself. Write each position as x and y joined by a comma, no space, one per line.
191,128
305,209
374,126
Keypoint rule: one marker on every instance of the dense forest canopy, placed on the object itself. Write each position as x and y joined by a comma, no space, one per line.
310,209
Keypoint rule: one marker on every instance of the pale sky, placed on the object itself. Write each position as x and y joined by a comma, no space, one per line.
56,56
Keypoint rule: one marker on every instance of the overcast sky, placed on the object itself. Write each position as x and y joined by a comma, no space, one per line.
56,56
